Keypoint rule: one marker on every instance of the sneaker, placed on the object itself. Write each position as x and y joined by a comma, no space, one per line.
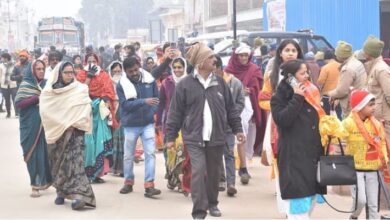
150,192
231,191
214,211
245,178
126,189
78,204
59,201
222,186
243,170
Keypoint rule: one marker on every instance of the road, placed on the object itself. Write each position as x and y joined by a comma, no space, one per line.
253,201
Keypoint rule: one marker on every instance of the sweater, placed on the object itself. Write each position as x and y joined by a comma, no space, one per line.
357,145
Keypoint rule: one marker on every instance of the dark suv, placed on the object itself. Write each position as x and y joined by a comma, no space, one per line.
307,40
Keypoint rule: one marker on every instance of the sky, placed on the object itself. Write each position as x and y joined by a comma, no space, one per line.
49,8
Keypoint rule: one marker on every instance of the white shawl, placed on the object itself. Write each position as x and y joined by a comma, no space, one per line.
65,107
128,87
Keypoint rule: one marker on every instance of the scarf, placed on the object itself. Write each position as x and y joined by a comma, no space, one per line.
374,151
65,107
128,86
313,97
245,73
29,86
175,78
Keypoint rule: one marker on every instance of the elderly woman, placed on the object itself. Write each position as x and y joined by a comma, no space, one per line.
66,116
116,71
98,146
296,110
32,135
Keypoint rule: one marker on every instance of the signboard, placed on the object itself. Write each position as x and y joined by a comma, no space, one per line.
276,15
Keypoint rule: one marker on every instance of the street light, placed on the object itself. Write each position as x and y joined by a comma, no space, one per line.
234,20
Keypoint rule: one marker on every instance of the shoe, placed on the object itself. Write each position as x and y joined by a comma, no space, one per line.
59,201
385,216
231,191
98,180
245,178
214,211
35,194
16,115
353,217
242,171
126,189
150,192
8,116
221,186
78,204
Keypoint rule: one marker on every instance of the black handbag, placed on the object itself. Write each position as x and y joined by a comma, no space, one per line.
336,170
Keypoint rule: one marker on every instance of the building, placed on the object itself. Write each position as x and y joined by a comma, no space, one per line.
207,16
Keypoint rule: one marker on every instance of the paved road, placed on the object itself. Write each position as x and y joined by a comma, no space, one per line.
254,201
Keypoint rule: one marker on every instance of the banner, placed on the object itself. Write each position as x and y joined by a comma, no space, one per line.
276,15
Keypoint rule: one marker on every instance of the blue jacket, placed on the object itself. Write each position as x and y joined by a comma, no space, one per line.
135,112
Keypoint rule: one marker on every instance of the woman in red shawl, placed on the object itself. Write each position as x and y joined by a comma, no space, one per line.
253,118
98,145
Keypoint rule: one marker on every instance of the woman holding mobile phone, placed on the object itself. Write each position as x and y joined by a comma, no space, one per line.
296,110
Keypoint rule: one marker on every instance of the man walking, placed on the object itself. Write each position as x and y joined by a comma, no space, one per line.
203,108
137,93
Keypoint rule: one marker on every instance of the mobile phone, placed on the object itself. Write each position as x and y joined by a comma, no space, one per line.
292,81
173,46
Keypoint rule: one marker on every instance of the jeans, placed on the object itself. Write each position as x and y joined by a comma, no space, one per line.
228,154
7,94
368,190
147,134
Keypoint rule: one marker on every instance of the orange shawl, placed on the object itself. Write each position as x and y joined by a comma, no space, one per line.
313,97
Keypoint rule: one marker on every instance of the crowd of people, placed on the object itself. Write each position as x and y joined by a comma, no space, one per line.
85,116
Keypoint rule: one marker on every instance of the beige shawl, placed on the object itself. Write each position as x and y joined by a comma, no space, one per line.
65,107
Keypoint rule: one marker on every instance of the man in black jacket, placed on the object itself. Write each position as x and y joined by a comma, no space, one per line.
203,108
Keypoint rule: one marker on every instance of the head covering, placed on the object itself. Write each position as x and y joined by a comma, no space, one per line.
60,81
309,56
61,108
273,47
243,49
319,55
258,42
198,53
30,85
91,54
159,51
359,99
117,77
175,78
24,53
343,50
359,54
373,46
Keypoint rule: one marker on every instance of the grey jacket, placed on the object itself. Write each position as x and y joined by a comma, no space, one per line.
187,106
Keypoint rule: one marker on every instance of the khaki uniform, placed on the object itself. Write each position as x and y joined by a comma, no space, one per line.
379,85
352,75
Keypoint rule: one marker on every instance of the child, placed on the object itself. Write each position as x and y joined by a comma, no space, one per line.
366,143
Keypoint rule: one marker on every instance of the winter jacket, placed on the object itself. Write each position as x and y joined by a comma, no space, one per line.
357,145
299,144
167,90
135,112
379,85
329,76
187,106
352,74
5,79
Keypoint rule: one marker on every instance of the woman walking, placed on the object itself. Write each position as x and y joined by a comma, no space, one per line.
32,135
66,116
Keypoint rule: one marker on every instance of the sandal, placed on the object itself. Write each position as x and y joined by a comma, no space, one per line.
35,193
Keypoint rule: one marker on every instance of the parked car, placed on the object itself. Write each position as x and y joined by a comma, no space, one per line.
307,40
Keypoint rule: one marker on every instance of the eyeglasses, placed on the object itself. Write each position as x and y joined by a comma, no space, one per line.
177,67
150,62
68,72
